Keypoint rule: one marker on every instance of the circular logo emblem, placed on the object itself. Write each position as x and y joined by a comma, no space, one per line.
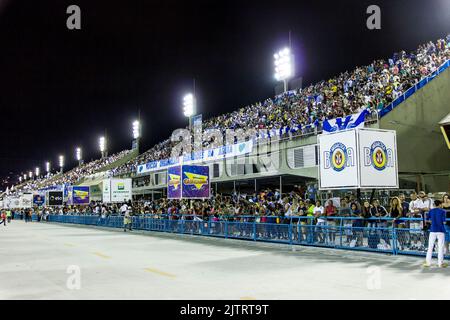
378,155
338,153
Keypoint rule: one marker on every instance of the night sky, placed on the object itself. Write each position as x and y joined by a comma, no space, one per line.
63,88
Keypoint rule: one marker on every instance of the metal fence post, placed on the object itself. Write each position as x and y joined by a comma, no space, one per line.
290,232
226,229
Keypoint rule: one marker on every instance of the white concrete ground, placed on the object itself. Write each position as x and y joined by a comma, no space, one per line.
35,257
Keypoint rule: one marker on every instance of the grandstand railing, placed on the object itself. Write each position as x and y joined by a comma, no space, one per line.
413,89
383,234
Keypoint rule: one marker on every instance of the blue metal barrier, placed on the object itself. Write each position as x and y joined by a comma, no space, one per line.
377,234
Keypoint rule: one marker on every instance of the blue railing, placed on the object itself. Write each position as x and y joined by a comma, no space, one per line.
413,89
374,234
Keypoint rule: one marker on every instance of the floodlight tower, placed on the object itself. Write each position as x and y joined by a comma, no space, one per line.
61,163
78,156
189,107
102,146
136,134
47,168
284,66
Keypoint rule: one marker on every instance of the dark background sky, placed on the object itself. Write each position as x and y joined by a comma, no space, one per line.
61,88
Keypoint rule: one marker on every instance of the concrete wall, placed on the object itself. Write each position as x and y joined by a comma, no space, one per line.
421,146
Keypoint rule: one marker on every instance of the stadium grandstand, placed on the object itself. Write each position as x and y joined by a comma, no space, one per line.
294,115
322,188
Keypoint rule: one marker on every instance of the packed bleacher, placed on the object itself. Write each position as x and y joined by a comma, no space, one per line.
372,88
72,176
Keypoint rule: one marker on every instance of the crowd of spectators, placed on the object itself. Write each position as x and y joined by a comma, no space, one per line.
70,177
296,208
372,87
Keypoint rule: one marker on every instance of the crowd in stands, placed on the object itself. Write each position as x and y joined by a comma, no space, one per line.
372,87
70,177
296,208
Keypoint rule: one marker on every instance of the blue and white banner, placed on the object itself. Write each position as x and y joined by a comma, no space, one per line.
224,152
349,122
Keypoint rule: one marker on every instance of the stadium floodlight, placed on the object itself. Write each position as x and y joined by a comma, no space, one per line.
61,162
25,176
37,171
136,129
47,167
78,153
189,105
284,66
30,174
20,179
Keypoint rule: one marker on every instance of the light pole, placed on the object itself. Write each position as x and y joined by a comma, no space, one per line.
78,156
30,174
284,66
37,172
102,145
189,107
61,163
20,179
136,134
47,168
24,177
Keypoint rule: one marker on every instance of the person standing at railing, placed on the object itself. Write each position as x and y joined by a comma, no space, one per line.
379,213
310,221
424,205
125,210
330,212
319,214
396,212
446,207
357,224
437,232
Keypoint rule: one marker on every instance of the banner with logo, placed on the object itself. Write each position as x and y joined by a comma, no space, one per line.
55,198
224,152
13,202
378,158
174,182
337,160
349,122
39,199
117,190
195,182
358,158
106,190
80,195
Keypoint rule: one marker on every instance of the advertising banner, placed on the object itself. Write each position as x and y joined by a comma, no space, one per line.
13,202
174,182
358,158
80,195
337,160
39,200
55,198
106,190
378,159
117,190
195,182
224,152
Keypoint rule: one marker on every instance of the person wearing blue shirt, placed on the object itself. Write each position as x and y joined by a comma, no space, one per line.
437,232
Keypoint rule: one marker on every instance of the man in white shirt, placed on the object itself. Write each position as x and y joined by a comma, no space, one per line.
319,213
